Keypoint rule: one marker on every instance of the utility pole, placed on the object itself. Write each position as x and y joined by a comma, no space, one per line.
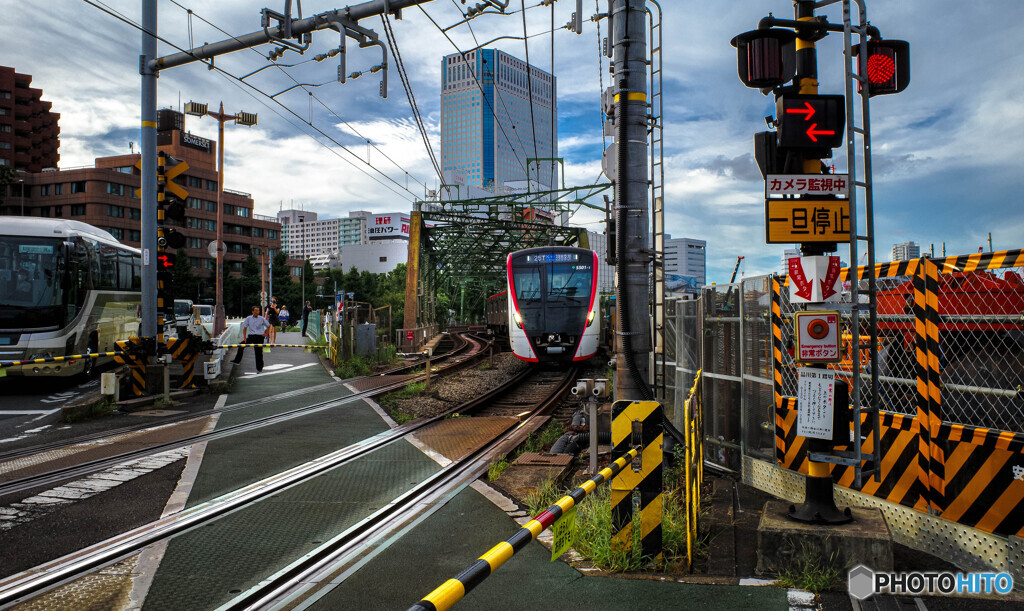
628,29
147,326
285,34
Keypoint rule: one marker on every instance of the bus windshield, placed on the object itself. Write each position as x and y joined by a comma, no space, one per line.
30,282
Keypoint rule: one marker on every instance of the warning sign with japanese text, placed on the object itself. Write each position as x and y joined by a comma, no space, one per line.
564,533
815,402
806,184
797,221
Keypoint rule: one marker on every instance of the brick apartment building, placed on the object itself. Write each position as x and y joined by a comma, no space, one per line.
104,196
29,134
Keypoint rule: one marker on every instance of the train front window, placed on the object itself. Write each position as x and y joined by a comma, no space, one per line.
568,282
30,282
527,284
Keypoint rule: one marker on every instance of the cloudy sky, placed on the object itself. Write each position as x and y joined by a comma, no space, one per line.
948,153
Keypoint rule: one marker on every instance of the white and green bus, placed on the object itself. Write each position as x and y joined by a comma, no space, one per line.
66,288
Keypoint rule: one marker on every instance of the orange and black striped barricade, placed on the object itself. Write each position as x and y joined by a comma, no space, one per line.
133,355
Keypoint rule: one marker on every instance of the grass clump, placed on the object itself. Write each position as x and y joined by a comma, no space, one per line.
101,408
594,530
551,433
813,572
353,367
390,401
495,469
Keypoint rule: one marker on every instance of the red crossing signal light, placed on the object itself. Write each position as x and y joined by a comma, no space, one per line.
887,69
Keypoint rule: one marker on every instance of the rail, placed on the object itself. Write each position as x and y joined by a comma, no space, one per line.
453,590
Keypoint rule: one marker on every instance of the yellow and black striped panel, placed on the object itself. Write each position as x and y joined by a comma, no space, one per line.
138,368
973,476
984,478
898,480
648,481
929,413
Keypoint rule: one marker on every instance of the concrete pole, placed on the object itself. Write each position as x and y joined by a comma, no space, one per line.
219,316
147,326
633,335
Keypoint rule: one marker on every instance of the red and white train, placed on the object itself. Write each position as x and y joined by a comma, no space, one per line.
549,309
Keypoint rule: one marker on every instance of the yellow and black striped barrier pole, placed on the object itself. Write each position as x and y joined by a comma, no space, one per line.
638,424
453,590
58,359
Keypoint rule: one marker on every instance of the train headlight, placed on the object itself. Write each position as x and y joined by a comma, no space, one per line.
590,317
517,319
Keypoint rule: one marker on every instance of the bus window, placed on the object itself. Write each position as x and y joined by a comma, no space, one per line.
125,271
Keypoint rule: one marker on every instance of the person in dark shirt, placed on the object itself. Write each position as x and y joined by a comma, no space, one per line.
305,317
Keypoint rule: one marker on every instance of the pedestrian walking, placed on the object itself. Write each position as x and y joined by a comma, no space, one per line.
305,317
283,316
255,329
272,317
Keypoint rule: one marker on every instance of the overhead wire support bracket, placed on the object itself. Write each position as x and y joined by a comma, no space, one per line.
366,37
285,28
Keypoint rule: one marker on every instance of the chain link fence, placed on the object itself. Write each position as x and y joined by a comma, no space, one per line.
727,332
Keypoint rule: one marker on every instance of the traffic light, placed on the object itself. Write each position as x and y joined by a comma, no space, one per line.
887,66
165,261
765,59
812,123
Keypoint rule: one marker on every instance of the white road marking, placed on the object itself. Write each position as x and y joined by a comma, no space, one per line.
28,412
44,502
253,374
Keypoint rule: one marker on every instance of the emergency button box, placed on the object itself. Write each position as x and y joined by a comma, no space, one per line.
817,337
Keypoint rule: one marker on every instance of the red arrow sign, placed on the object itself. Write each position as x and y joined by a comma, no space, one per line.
831,275
813,133
797,277
807,110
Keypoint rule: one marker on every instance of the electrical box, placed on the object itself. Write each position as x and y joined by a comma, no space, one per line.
211,369
108,383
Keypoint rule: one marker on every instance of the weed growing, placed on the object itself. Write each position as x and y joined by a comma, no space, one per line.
594,530
495,469
813,572
101,408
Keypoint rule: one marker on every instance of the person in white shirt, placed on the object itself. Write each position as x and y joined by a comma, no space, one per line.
255,329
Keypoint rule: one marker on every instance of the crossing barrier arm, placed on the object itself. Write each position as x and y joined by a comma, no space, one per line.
58,359
453,590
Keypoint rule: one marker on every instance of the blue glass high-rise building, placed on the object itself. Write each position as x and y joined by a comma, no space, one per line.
487,132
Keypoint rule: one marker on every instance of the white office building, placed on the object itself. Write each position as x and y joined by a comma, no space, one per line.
305,235
905,251
685,264
598,242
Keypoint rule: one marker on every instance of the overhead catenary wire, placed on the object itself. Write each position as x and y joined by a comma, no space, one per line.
476,79
313,96
529,86
237,80
407,85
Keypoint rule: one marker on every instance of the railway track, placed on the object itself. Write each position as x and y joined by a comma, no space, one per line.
465,354
300,579
461,347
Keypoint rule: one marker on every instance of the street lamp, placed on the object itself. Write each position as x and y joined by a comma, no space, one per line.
242,118
21,190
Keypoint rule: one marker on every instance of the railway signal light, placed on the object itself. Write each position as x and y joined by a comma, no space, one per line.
765,59
887,69
812,123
